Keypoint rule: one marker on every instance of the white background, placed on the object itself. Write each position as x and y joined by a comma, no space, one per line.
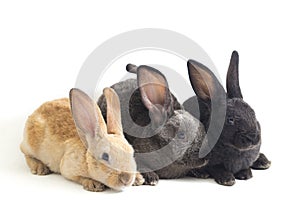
43,45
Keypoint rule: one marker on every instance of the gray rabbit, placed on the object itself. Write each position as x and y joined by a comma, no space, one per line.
166,138
237,149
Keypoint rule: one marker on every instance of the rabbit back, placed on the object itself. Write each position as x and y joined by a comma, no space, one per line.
44,137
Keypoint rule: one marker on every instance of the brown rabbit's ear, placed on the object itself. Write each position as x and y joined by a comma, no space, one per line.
205,84
155,93
232,81
113,116
87,117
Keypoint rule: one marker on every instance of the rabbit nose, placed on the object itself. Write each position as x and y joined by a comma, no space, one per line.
125,178
252,138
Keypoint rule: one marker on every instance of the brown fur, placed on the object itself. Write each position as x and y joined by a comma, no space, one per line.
114,124
53,111
52,144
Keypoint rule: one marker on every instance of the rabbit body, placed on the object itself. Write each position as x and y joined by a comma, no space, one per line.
173,147
62,141
238,147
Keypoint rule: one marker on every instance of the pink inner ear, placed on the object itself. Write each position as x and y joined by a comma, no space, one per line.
203,80
84,113
153,86
155,93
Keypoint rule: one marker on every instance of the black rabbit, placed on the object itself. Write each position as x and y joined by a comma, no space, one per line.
166,138
237,149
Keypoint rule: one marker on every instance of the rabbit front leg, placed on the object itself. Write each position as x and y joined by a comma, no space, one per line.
151,178
244,174
262,162
72,170
91,185
87,183
221,175
139,179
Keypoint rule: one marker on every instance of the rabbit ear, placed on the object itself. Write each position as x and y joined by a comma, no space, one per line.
155,93
131,68
87,117
205,84
113,116
232,81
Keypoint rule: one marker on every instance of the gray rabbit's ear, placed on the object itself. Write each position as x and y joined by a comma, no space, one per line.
205,84
87,117
232,81
131,68
155,93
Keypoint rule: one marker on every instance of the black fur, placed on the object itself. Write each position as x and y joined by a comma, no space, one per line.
162,126
237,149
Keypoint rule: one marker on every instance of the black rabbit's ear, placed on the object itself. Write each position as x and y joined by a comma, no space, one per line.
205,84
155,93
232,81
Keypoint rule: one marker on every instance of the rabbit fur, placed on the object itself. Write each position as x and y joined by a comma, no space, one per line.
70,137
166,138
238,147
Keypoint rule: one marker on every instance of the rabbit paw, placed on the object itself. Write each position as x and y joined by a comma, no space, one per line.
244,174
37,167
92,185
226,180
221,175
151,178
139,180
199,173
262,162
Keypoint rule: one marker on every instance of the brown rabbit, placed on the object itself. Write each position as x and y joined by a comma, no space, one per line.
70,137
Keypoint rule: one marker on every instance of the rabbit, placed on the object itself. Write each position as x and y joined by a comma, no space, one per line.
70,137
238,147
156,126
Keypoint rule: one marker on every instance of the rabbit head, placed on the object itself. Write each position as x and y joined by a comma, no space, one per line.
241,129
110,157
173,132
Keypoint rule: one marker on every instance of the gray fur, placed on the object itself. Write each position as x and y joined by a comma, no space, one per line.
168,151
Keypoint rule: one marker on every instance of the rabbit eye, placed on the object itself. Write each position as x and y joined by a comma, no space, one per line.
105,156
230,120
181,135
